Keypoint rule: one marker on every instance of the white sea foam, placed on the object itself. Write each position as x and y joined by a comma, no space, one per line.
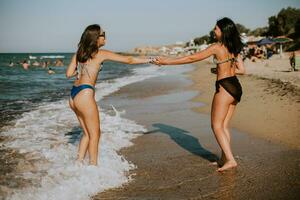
52,56
50,152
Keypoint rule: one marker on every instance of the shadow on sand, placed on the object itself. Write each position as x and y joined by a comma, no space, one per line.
74,135
185,140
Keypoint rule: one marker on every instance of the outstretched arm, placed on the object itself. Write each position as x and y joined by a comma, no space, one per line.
187,59
109,55
71,70
240,68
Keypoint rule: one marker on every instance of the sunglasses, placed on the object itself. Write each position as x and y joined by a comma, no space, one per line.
102,35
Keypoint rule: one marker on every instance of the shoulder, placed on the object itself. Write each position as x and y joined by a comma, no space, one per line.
214,47
217,46
74,56
104,52
108,55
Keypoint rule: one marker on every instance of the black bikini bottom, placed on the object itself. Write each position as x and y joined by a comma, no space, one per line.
232,86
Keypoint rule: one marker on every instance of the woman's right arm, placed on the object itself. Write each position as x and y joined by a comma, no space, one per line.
71,70
111,56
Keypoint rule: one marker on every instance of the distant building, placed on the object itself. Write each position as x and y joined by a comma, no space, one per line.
179,43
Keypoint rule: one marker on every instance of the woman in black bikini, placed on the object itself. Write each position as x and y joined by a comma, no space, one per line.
227,57
85,65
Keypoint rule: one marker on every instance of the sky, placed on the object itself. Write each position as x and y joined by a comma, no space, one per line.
32,26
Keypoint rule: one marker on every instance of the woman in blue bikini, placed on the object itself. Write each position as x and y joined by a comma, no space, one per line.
227,57
85,65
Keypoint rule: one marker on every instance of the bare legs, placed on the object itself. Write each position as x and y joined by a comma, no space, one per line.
87,113
226,128
84,141
221,113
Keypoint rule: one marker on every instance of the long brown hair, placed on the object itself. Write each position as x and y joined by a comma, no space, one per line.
88,47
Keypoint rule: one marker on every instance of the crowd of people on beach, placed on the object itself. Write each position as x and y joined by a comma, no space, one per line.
43,64
256,53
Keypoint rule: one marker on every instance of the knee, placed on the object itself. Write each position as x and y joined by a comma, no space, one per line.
216,126
226,128
86,136
95,135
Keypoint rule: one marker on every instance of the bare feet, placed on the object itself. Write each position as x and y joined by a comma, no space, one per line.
93,162
79,162
228,165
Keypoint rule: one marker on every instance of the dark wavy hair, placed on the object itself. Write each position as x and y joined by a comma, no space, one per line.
230,36
88,47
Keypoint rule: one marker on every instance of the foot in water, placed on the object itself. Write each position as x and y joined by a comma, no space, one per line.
79,162
228,165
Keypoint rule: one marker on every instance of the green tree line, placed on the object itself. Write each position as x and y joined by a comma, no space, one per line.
286,22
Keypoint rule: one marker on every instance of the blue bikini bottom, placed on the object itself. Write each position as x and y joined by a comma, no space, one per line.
76,89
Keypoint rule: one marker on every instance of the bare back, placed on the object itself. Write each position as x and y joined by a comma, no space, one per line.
87,73
226,62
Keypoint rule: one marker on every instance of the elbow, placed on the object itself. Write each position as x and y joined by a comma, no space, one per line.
243,72
68,75
191,60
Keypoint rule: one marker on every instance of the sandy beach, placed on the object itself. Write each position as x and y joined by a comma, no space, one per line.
174,157
270,106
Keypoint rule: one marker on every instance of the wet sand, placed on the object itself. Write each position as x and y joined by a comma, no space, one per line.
174,157
10,168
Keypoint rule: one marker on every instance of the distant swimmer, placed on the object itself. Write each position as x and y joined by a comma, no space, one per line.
50,71
45,64
25,65
11,64
59,63
36,64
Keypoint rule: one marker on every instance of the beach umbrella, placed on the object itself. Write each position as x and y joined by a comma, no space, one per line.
253,40
281,40
265,41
